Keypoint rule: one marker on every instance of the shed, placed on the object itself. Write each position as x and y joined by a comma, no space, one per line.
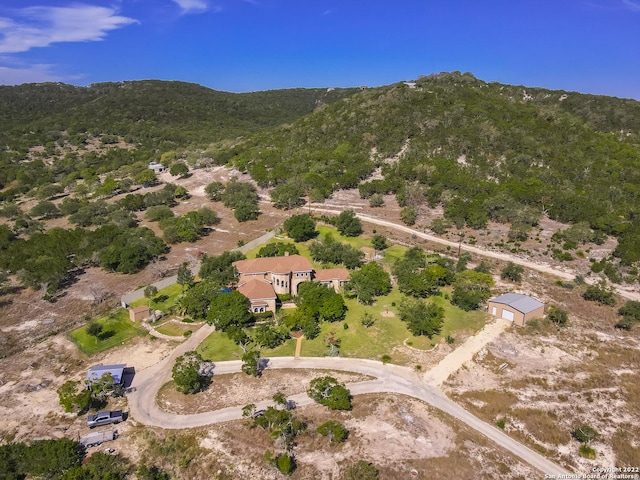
516,308
116,371
139,313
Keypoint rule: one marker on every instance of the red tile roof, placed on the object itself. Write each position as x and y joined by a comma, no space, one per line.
256,289
287,264
327,274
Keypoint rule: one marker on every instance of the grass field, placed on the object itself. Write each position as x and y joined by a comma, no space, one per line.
217,347
357,341
175,329
116,329
303,247
164,300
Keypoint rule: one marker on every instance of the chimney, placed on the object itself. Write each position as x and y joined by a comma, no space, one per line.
286,254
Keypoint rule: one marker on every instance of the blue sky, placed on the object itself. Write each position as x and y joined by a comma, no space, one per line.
591,46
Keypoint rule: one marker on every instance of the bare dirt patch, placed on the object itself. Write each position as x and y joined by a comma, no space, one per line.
546,382
393,432
241,389
29,404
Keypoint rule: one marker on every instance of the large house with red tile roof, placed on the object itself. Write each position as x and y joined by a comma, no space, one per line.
262,279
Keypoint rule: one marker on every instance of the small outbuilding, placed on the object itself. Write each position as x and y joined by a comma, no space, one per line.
137,314
516,308
116,371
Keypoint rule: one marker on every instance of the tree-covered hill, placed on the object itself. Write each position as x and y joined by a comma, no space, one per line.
176,114
482,150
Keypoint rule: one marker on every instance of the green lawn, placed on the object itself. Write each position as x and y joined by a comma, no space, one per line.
358,341
165,299
387,332
218,347
116,329
176,329
303,247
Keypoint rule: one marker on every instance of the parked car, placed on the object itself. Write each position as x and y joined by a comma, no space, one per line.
105,418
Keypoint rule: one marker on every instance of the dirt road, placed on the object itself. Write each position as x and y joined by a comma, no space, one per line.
540,267
465,352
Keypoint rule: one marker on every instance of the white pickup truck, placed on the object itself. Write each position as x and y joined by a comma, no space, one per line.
105,418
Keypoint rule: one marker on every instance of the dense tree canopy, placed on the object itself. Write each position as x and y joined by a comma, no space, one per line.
319,302
197,299
329,392
348,224
220,268
300,227
368,282
277,249
186,373
422,276
242,197
471,289
229,309
422,318
332,252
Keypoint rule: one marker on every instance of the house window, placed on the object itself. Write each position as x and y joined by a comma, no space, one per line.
255,309
278,282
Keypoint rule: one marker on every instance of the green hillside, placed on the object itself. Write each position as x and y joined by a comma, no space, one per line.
149,110
482,150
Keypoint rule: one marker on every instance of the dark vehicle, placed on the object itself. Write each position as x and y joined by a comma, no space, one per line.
105,418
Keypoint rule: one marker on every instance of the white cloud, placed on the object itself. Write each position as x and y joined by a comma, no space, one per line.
31,74
192,6
42,26
632,5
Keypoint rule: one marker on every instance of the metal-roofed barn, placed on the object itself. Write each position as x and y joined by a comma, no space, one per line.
516,307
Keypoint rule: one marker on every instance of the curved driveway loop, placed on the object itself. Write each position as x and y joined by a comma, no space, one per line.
388,379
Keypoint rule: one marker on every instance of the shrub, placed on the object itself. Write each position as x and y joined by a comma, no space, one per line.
329,392
557,315
362,470
409,215
512,272
376,201
334,430
600,294
584,434
587,452
286,464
